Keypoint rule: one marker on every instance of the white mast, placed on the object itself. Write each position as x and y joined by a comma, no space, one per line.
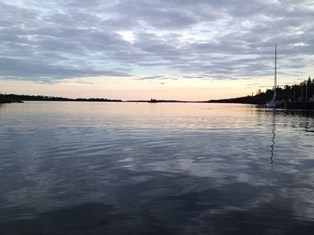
273,103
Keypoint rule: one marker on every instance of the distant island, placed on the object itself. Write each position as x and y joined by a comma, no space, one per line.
298,95
11,98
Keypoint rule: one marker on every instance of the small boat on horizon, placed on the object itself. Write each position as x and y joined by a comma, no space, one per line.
153,101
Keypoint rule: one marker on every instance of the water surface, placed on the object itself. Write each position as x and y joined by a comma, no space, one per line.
165,168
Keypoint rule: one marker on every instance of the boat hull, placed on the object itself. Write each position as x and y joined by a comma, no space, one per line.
273,104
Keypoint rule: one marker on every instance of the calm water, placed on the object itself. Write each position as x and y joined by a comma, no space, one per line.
139,168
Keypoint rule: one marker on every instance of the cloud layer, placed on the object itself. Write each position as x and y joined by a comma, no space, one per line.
50,41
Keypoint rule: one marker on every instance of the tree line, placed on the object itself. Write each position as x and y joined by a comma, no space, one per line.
10,98
303,92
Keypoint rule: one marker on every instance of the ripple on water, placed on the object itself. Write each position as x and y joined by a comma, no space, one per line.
168,168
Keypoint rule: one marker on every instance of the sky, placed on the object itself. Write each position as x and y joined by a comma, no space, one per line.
163,49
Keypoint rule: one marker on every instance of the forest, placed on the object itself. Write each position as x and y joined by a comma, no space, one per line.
11,98
303,92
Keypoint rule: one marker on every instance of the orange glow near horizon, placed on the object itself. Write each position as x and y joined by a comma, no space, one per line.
134,89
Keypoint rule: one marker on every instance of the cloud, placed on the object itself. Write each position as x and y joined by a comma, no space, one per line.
56,40
24,70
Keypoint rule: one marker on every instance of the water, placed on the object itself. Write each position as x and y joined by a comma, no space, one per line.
139,168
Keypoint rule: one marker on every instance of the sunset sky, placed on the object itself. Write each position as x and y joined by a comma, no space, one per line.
138,49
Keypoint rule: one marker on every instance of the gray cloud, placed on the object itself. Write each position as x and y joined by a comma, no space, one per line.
56,40
24,70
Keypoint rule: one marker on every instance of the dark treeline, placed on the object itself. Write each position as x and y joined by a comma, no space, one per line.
303,92
97,100
10,98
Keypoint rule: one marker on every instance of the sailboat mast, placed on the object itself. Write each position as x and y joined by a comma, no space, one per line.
275,82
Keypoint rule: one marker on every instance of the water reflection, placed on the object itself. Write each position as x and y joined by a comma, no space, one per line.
139,202
273,136
174,169
296,119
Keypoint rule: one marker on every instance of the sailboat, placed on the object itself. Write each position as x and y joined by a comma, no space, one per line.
273,103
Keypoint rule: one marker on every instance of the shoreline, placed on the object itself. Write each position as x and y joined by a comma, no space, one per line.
13,98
